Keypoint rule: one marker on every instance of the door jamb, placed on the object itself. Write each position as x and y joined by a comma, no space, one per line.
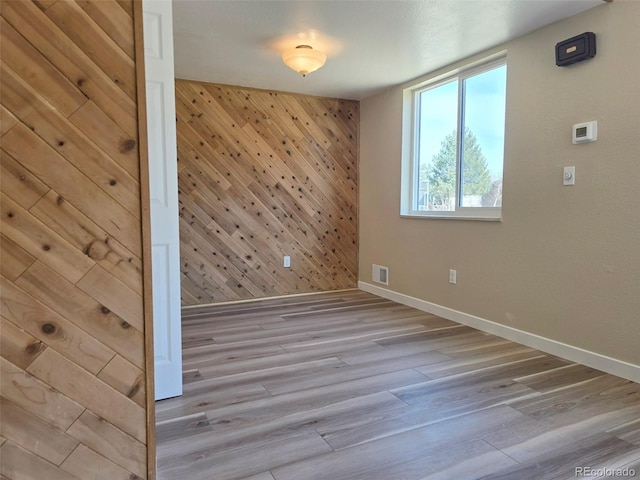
145,215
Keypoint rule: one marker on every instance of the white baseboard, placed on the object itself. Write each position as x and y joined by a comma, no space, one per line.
563,350
186,308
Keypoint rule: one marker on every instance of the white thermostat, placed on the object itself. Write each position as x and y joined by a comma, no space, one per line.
585,132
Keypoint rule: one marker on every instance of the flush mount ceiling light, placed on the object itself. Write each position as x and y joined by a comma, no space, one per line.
304,59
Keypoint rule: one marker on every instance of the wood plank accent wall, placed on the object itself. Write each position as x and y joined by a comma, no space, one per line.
265,174
73,393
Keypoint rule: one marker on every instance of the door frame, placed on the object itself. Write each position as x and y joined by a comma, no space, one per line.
145,216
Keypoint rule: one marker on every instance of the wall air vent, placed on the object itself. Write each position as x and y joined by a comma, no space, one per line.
380,274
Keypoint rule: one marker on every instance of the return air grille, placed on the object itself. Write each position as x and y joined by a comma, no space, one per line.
380,274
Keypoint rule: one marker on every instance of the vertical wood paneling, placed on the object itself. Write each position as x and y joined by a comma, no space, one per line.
73,385
262,175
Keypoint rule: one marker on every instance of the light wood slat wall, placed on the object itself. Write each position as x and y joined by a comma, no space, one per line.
265,174
73,393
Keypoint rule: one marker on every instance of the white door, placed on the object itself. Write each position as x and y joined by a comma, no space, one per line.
163,179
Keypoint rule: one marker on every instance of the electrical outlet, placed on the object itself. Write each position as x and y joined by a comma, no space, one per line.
452,276
287,261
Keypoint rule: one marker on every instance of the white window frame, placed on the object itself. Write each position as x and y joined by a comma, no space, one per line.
410,139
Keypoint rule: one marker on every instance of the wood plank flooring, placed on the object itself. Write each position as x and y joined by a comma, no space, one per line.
349,386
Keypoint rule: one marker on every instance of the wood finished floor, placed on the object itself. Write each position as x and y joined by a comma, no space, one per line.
346,386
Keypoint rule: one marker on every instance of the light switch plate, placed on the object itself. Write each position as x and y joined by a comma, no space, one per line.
569,176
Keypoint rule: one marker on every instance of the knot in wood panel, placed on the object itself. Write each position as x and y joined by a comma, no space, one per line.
127,145
134,389
49,328
34,348
97,250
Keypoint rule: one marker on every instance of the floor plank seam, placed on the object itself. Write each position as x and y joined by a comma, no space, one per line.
500,450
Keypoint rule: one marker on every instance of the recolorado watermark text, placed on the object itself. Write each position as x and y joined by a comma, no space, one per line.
605,472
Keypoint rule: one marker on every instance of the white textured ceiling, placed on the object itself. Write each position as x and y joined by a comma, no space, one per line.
370,45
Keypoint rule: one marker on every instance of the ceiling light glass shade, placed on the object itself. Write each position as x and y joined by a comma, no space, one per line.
304,59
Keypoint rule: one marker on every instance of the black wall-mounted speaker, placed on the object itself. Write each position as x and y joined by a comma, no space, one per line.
576,49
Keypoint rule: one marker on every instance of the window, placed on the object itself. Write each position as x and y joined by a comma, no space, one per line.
453,150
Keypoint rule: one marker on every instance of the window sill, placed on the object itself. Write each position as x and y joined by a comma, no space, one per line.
450,217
